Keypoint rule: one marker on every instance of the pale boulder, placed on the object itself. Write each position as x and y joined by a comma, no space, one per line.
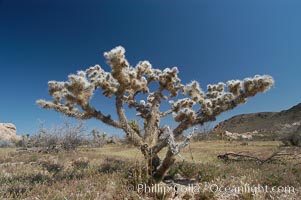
8,132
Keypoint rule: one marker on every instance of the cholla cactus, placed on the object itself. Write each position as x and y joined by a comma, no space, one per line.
174,147
123,84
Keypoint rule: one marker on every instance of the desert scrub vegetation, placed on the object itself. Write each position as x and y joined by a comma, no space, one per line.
129,86
6,143
293,139
87,174
66,137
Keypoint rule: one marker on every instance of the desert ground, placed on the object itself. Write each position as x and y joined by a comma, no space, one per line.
116,172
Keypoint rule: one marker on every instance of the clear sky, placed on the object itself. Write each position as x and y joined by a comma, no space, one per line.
209,41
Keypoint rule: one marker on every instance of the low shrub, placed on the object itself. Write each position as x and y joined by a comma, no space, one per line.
52,166
6,143
65,137
293,139
111,165
80,163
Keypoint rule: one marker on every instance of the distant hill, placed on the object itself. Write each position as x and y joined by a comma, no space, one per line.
278,123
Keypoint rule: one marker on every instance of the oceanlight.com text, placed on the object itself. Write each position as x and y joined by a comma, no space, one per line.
215,188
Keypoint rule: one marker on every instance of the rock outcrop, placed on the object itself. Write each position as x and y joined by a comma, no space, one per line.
8,132
237,136
269,123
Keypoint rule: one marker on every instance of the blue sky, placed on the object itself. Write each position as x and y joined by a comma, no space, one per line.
209,41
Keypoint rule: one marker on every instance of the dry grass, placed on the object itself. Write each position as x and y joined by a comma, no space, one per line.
104,173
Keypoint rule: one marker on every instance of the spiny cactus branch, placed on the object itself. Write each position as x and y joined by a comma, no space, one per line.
173,145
